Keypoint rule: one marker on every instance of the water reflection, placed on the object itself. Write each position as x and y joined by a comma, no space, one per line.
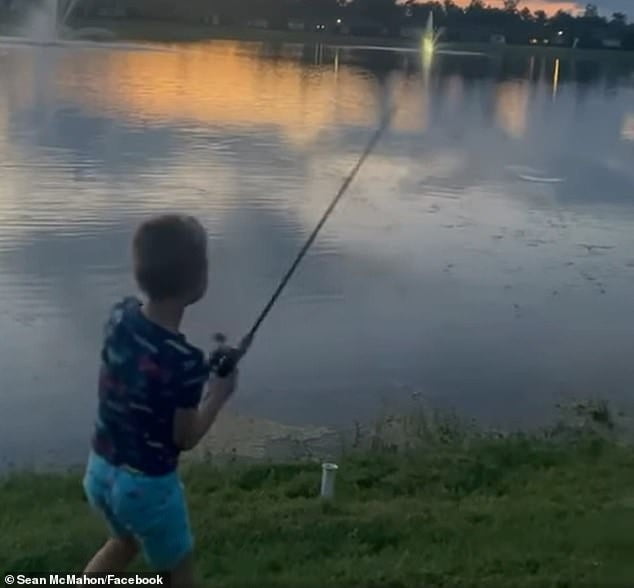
443,271
628,127
512,107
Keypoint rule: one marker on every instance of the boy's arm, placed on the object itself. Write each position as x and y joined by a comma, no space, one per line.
191,425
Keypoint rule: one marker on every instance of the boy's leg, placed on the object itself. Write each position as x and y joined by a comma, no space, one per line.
119,551
167,541
182,576
114,557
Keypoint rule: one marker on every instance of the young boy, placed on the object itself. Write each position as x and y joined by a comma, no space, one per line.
150,406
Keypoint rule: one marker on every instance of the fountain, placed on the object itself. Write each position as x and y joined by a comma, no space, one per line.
428,42
46,26
67,12
42,23
430,36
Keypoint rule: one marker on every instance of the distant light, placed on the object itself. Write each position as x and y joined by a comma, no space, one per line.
533,41
561,33
338,21
546,41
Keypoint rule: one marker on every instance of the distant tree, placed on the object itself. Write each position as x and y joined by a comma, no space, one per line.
563,20
476,6
380,11
541,17
437,8
484,17
526,14
476,10
318,9
619,19
511,5
452,10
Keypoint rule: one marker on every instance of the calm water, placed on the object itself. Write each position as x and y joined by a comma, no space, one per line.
443,273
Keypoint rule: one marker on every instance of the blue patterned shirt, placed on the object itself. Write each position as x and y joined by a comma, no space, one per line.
147,372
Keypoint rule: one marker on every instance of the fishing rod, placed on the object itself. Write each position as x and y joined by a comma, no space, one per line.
224,359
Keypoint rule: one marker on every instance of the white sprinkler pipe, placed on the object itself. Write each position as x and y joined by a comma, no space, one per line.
328,476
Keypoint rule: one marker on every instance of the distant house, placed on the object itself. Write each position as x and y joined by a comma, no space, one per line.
612,43
469,34
413,32
365,27
600,38
258,23
296,25
210,19
159,9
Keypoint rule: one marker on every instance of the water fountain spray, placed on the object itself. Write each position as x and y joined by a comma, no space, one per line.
429,40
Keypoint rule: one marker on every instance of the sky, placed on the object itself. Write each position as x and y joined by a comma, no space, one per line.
606,7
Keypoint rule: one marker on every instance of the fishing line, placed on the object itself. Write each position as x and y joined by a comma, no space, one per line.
311,239
372,143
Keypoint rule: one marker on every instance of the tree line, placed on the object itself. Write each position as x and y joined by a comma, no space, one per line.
478,21
519,24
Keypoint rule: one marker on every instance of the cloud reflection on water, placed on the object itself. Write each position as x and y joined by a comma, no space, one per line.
439,252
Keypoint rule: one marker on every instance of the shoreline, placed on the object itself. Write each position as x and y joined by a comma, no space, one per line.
247,439
181,33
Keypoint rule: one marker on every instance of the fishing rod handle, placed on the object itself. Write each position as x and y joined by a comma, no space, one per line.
225,359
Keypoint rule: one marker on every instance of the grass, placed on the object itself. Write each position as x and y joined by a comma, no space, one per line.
502,511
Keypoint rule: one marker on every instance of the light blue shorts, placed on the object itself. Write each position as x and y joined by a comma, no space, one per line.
150,509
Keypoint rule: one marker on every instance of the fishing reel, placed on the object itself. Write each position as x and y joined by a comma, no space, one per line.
224,359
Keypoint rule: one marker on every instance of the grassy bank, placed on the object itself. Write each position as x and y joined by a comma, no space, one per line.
496,512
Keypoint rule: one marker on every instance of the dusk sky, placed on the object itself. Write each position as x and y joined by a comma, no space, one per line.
606,7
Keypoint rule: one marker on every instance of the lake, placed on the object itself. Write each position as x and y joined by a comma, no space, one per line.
483,259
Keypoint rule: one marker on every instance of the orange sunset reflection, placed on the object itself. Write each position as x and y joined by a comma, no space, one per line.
222,83
512,107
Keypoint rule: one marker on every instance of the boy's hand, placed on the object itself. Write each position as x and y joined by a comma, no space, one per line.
224,361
